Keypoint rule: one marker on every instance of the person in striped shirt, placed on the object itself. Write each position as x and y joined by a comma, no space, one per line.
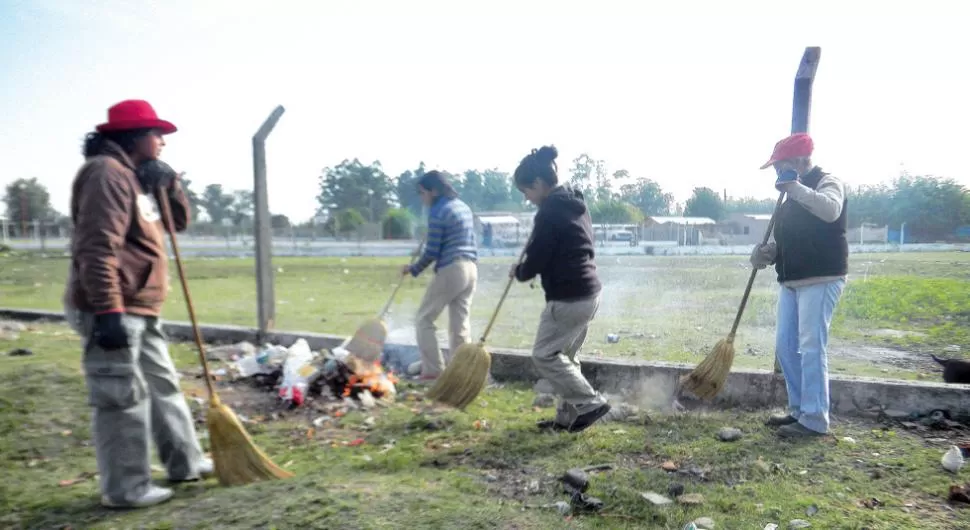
451,246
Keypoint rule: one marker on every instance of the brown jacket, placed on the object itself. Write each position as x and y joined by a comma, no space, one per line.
119,261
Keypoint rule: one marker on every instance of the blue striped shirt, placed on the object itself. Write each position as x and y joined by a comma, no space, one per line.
451,235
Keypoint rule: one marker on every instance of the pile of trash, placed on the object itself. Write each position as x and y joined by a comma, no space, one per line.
295,373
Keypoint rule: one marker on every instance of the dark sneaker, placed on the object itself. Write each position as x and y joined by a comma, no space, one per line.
584,421
797,430
550,425
207,469
780,420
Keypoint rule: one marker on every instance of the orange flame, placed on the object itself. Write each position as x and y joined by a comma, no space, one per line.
371,378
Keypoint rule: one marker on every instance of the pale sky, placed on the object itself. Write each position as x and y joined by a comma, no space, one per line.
689,93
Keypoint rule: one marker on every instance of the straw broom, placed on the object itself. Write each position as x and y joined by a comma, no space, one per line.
707,378
467,373
367,343
237,459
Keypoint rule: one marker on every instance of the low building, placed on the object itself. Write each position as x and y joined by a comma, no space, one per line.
744,228
868,233
502,229
681,230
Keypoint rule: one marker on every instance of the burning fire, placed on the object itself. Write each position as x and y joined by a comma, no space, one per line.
371,377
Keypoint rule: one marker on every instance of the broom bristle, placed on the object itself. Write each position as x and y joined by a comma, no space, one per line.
464,377
707,378
237,459
368,342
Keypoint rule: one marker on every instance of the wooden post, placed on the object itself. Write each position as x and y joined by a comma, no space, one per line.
801,109
266,298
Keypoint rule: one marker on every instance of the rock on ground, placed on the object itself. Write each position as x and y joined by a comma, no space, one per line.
656,498
704,523
729,434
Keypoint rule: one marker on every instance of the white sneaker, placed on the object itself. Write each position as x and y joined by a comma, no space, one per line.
152,496
206,469
414,368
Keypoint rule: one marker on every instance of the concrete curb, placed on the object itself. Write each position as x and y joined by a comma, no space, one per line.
651,382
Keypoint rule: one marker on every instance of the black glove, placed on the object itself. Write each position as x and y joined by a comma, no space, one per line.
109,333
156,175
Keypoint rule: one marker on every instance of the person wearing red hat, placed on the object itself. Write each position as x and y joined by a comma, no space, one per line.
118,281
810,253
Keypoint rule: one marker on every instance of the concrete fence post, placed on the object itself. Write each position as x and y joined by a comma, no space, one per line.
266,298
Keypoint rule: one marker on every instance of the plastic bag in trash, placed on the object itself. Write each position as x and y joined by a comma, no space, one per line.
298,368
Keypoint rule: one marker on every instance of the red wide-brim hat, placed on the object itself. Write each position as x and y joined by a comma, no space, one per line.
134,114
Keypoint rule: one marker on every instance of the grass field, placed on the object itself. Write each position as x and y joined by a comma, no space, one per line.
406,465
896,308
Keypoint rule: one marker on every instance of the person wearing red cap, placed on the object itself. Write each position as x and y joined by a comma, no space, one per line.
810,253
118,281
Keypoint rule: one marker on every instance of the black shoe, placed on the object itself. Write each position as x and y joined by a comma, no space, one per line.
780,420
550,425
584,421
796,431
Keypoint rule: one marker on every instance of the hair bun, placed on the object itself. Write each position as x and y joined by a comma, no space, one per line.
547,154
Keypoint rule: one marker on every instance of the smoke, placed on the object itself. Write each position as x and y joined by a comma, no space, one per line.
400,324
654,392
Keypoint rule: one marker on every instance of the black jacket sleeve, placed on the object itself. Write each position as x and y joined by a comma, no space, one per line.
540,248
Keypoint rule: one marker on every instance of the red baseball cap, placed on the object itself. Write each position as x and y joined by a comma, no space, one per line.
134,114
796,145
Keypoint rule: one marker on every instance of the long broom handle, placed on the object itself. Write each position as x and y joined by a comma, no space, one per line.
390,300
754,270
505,293
170,228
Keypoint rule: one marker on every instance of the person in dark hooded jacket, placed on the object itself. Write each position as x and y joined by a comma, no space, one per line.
560,251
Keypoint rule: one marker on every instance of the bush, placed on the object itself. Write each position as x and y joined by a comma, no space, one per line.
344,222
398,223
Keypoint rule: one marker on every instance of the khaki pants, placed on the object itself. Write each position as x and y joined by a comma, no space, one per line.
136,398
562,332
453,287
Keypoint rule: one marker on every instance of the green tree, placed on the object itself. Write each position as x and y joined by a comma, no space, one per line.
705,202
615,212
398,224
353,185
217,203
243,207
406,188
932,208
471,189
647,196
870,204
497,192
28,200
344,222
195,202
279,222
749,205
589,176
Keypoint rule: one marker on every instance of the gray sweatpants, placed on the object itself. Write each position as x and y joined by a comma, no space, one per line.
562,332
136,398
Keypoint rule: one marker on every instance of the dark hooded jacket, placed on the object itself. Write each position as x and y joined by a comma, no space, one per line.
561,249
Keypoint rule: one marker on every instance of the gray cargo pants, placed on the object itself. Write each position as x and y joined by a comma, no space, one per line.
136,398
562,332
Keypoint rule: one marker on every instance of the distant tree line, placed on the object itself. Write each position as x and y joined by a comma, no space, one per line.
352,194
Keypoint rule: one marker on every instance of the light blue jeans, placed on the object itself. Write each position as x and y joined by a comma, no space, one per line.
804,317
